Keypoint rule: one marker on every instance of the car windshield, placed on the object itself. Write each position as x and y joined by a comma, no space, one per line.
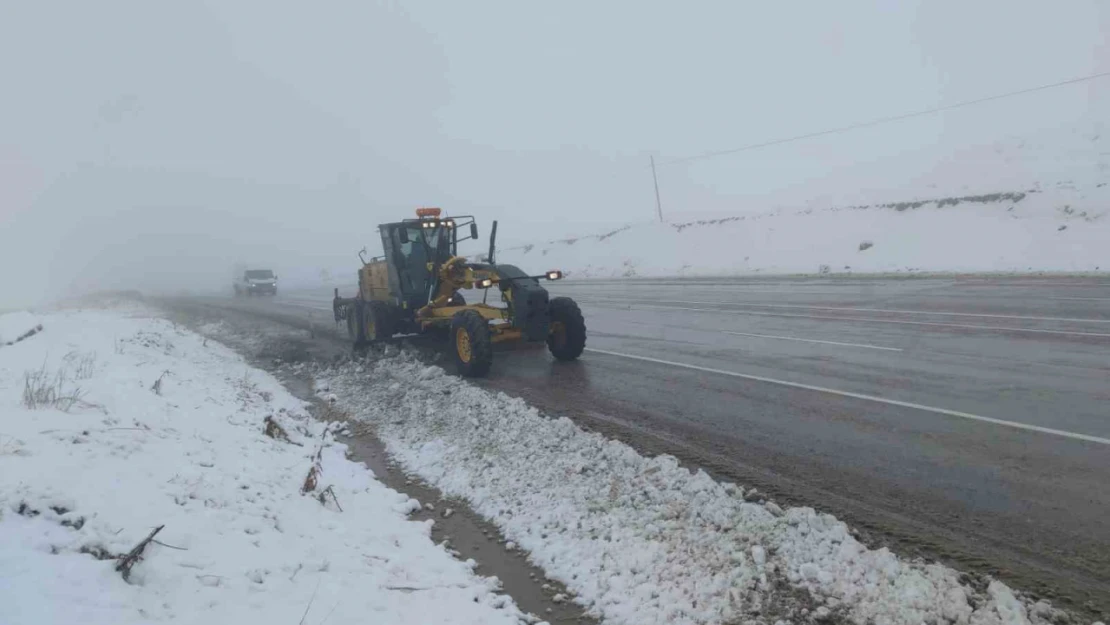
260,274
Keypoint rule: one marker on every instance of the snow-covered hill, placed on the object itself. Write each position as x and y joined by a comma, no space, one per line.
1063,228
1036,202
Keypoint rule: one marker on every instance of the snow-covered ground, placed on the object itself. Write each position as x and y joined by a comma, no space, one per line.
643,540
114,423
1059,229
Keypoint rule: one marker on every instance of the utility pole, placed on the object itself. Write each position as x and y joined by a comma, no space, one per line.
655,179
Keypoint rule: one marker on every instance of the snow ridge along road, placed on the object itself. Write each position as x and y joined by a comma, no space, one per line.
1025,506
166,429
642,540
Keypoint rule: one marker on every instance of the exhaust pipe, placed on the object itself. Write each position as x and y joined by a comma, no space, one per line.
492,242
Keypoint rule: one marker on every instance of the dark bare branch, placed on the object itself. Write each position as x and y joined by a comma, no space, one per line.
158,542
126,562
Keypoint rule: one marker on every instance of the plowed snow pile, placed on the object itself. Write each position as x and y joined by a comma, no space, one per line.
642,540
114,424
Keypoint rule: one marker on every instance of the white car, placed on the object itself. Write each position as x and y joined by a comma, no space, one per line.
256,282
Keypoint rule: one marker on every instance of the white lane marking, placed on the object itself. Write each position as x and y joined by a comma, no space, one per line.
803,290
309,306
792,338
871,320
926,352
644,292
882,310
304,301
882,400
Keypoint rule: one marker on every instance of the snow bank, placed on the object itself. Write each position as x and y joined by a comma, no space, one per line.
166,428
16,326
1062,228
642,540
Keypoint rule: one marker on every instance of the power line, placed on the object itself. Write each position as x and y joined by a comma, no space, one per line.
883,120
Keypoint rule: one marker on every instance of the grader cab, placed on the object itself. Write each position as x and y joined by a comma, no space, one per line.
414,288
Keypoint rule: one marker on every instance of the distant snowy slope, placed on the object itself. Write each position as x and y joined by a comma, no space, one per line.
1031,202
1062,228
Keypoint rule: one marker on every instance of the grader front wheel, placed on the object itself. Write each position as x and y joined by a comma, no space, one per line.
567,338
471,344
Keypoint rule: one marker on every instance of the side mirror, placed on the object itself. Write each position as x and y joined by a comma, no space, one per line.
403,235
275,276
473,230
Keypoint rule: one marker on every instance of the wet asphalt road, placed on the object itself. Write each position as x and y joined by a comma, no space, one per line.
963,419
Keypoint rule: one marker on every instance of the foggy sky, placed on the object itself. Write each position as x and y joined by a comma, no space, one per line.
156,145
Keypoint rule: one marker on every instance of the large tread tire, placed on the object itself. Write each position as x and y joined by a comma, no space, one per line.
377,323
354,324
567,338
470,344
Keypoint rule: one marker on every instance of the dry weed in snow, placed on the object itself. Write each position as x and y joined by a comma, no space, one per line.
45,389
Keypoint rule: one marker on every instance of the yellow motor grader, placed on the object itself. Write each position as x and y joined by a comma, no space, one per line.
415,288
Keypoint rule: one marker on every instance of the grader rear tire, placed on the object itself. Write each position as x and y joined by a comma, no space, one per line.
471,344
354,325
377,322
